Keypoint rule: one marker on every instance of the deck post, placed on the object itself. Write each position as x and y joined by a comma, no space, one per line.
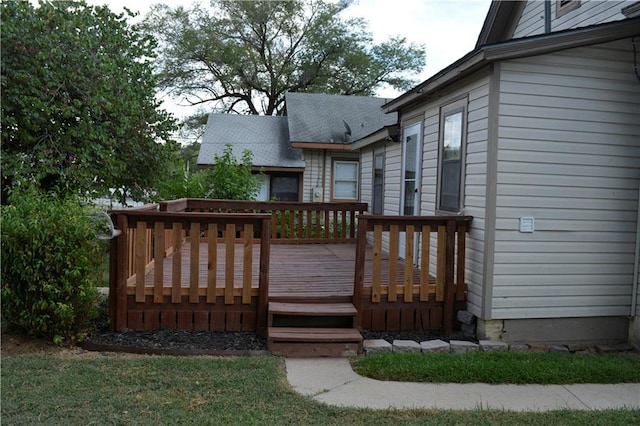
449,291
263,280
118,276
358,282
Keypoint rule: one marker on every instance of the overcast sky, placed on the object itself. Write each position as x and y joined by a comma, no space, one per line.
447,28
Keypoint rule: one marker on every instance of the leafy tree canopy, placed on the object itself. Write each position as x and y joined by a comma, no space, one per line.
243,56
79,112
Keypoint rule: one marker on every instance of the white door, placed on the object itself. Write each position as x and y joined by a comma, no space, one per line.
411,162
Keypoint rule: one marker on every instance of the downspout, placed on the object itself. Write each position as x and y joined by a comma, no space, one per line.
636,265
547,16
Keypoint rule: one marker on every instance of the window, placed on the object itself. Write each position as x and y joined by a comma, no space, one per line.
565,6
378,182
450,164
345,180
285,187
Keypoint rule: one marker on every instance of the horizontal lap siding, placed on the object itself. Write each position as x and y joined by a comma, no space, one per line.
590,12
477,92
569,156
312,173
366,178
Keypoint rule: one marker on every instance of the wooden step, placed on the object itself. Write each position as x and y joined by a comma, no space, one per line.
312,309
314,342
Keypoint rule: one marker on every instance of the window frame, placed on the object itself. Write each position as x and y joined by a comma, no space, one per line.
377,154
453,108
334,179
568,6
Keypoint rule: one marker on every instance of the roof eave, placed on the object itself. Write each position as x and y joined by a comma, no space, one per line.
386,134
321,145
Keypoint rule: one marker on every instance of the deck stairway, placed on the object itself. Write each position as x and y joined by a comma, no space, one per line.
313,329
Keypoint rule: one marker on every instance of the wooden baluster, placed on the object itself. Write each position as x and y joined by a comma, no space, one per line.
361,248
292,227
176,271
274,224
424,263
440,263
263,280
194,271
327,225
140,255
409,247
247,264
300,216
212,264
448,289
283,224
393,263
230,239
158,262
460,262
376,290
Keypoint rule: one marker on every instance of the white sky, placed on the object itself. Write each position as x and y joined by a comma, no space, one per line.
448,28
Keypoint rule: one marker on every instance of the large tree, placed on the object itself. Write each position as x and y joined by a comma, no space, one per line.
243,56
79,110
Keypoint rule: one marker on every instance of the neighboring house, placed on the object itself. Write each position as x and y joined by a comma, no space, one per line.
305,155
536,134
324,126
267,137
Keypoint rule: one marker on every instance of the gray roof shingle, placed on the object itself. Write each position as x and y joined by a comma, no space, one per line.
266,136
315,117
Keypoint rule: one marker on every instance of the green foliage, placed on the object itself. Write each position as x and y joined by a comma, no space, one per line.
232,179
244,56
79,112
506,367
228,179
51,259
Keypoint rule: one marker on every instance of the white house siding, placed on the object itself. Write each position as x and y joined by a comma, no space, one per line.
366,178
569,156
590,12
476,90
313,170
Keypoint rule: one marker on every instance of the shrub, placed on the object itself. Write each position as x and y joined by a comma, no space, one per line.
232,178
50,259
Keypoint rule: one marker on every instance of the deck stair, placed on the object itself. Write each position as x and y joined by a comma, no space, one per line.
313,329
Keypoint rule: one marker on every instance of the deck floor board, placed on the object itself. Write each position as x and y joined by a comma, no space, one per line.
295,270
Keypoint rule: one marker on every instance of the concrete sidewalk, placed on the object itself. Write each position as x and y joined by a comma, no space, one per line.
333,381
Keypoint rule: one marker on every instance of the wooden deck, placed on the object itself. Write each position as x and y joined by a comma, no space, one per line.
225,278
296,271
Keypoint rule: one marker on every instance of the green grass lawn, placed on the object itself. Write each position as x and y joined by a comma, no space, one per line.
107,389
503,367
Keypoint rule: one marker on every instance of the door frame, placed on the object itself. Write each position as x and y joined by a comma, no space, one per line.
409,130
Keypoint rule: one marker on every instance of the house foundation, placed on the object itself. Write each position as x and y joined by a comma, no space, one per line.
634,330
490,329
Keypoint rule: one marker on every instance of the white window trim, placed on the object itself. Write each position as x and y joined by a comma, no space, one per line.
452,108
334,180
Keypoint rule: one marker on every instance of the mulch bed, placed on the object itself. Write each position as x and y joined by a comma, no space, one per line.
184,342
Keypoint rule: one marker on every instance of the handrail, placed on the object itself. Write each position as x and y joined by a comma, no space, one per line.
291,222
445,250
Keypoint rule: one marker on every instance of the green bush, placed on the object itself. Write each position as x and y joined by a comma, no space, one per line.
51,257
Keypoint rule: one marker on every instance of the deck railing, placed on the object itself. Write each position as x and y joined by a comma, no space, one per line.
434,260
291,222
150,236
